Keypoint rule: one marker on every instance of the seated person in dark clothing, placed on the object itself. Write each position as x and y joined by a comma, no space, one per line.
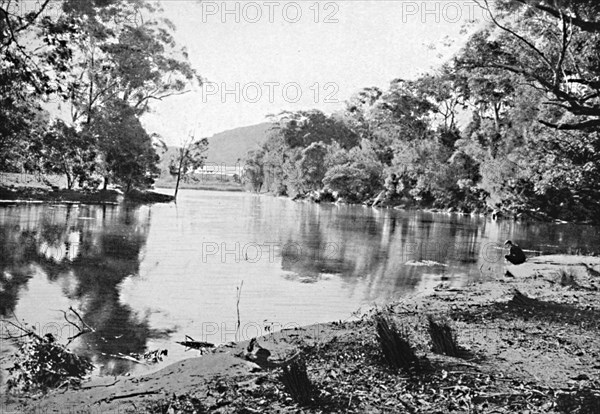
516,255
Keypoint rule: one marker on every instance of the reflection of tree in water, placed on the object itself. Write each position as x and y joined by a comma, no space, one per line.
308,254
353,244
16,244
91,249
372,247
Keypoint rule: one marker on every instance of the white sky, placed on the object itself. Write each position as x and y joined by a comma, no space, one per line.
329,51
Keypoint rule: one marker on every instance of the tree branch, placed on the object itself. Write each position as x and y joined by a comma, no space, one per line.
513,33
592,123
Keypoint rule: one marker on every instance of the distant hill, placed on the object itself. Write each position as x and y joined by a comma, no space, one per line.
224,148
229,146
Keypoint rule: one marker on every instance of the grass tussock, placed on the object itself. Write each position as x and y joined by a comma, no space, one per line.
396,347
295,379
443,337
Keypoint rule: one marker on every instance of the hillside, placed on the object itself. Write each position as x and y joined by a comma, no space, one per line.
229,146
225,148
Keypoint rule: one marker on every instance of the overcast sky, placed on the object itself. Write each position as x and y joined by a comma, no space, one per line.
267,56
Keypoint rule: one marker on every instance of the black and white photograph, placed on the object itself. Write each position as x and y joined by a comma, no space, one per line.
309,206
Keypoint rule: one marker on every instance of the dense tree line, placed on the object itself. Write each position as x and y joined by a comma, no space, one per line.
74,84
510,124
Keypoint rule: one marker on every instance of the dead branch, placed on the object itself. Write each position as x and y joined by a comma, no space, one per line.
82,328
101,386
130,395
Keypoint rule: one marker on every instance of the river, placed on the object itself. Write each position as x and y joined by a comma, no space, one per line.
144,277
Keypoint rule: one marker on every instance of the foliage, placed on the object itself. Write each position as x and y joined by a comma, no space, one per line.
254,170
128,154
527,86
106,61
356,180
65,150
42,364
553,46
302,128
312,166
188,159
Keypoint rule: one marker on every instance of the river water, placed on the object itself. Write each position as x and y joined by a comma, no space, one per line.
144,277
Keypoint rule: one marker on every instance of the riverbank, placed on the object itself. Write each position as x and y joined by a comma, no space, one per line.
27,188
533,353
458,207
24,195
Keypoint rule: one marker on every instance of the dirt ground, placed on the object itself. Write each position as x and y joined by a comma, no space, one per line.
529,343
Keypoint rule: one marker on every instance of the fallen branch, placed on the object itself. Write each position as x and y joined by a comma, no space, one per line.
130,395
193,344
100,386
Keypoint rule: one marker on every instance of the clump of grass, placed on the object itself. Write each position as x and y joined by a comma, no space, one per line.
443,337
396,347
296,382
567,278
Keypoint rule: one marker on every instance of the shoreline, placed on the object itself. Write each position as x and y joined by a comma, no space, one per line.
506,340
37,195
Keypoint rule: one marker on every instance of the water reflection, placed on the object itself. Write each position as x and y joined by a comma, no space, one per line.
87,251
145,277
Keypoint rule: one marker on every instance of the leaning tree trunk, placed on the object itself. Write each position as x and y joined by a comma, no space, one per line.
178,178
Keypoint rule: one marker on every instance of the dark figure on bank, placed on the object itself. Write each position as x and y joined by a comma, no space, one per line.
516,255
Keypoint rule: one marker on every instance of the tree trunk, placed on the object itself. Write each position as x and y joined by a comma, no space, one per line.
69,178
497,107
178,178
106,179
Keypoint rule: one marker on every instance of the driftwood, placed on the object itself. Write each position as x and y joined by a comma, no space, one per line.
193,344
100,385
130,395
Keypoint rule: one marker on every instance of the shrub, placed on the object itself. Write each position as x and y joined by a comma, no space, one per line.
41,364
